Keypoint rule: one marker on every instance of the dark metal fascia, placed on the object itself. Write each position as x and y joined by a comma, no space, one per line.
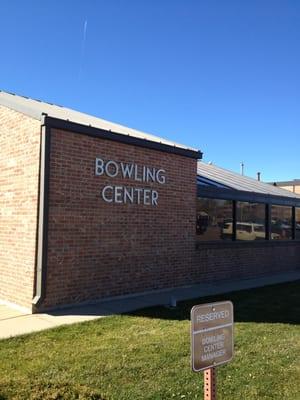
245,244
74,127
43,212
234,219
240,195
294,223
268,221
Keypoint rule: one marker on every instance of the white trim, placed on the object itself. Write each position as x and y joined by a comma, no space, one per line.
15,306
214,328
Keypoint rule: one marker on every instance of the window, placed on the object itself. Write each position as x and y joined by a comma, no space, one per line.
214,219
251,221
297,223
281,223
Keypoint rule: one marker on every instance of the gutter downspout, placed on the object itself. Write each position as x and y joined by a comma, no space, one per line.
43,211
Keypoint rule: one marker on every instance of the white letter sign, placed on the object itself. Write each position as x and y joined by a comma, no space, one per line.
140,173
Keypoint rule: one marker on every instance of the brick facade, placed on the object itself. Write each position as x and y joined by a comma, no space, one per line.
19,179
242,260
98,249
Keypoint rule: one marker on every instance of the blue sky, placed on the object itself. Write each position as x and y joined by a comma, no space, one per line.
221,76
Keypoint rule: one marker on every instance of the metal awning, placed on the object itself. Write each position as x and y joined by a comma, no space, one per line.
213,181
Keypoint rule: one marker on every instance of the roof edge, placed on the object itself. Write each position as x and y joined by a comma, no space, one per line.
28,111
243,195
88,130
35,109
241,182
285,183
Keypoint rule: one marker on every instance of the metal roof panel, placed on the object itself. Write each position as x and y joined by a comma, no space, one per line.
240,182
36,109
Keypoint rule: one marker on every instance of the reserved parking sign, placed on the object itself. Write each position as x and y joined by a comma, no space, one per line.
211,335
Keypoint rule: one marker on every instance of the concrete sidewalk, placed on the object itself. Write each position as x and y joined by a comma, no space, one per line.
14,323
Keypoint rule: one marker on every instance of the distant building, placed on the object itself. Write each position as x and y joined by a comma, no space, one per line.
292,186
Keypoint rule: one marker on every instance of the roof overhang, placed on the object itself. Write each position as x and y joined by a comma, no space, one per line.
83,123
241,195
75,127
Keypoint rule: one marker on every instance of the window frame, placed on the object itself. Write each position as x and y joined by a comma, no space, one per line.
265,218
235,196
198,237
293,224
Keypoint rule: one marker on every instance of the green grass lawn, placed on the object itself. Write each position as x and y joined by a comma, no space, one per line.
146,355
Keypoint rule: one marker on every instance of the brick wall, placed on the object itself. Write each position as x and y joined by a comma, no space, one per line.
96,249
241,260
19,173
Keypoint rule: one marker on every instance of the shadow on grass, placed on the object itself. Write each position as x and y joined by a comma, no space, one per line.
278,303
275,304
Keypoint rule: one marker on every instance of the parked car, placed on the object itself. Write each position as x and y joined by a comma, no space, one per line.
247,231
282,229
260,232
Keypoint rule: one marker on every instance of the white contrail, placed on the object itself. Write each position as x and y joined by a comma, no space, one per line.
84,31
82,49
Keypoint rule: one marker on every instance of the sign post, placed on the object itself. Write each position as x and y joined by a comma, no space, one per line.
211,341
210,384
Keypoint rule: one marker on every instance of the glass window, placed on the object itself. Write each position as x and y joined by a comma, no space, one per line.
251,221
281,224
214,219
297,223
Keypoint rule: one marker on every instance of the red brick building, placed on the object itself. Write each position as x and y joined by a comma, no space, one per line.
92,209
